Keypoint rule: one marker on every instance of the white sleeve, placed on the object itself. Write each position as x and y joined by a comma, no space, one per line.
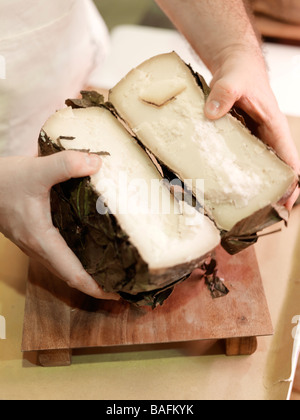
49,50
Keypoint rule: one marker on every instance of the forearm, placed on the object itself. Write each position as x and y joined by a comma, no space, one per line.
213,27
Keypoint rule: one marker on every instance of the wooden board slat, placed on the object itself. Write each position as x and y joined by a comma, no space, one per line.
47,319
57,317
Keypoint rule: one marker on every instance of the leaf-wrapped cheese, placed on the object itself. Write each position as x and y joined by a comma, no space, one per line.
130,233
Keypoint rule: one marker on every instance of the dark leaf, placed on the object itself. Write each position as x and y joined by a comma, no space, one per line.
214,283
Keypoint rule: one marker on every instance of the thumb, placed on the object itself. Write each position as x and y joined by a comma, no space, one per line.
220,101
63,166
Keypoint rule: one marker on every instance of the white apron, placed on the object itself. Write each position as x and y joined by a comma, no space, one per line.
48,50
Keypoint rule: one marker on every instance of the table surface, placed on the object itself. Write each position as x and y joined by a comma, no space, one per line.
166,373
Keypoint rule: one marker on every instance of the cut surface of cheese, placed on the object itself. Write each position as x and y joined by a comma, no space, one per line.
163,105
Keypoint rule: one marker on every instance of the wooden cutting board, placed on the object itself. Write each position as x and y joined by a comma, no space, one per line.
59,319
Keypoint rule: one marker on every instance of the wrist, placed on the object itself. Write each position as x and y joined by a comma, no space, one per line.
249,53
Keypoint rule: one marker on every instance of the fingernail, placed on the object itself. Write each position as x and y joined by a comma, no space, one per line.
93,161
213,108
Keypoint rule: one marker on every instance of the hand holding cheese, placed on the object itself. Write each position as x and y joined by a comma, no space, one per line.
223,36
25,216
241,80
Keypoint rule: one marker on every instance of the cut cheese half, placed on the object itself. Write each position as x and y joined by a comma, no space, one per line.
170,237
163,104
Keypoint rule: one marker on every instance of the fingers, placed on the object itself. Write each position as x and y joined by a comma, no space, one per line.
272,125
61,261
292,200
60,167
276,133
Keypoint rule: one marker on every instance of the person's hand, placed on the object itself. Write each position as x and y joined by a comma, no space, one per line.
25,214
241,79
